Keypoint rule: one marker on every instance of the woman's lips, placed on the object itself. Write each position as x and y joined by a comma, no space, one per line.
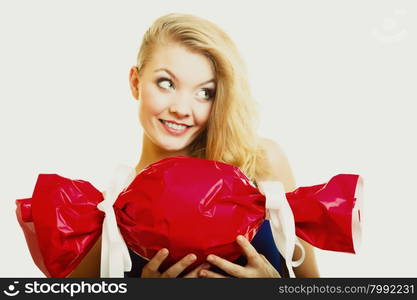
174,131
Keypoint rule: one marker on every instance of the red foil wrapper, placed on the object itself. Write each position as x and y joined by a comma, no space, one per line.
61,222
328,215
185,204
189,205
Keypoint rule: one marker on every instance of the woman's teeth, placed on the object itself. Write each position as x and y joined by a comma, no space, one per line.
174,126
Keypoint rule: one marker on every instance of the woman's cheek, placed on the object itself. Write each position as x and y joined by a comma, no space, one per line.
154,102
202,113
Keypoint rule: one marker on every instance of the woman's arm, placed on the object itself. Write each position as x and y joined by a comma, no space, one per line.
280,170
90,265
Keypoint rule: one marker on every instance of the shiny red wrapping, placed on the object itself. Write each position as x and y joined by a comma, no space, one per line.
187,205
61,222
323,213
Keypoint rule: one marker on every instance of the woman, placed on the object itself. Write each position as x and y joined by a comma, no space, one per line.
191,87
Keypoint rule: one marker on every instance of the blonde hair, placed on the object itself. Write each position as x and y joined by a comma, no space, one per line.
230,133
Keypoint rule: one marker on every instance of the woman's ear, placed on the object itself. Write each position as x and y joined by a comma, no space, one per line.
134,82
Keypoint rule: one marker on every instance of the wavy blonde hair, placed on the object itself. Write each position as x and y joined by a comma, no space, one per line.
230,133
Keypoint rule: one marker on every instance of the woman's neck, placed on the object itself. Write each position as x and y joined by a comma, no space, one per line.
152,153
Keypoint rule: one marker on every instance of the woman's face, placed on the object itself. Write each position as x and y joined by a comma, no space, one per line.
175,92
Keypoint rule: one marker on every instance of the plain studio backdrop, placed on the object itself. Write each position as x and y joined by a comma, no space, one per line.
335,82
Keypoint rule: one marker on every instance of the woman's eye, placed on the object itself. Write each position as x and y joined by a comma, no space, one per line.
165,83
206,94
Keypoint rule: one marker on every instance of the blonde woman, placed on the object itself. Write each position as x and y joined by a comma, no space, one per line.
193,97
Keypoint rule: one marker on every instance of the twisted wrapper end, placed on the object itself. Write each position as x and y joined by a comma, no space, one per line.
356,216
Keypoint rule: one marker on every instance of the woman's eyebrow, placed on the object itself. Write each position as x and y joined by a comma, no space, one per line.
175,77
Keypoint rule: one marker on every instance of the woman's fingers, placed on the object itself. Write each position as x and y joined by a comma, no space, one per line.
225,265
264,259
257,266
150,270
156,261
253,257
211,274
179,266
194,273
250,252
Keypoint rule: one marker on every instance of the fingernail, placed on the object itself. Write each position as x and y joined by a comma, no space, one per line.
203,273
192,257
210,257
240,238
164,251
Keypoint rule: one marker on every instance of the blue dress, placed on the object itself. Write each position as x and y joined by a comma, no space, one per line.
263,243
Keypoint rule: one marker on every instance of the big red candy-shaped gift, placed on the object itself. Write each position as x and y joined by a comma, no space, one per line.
188,205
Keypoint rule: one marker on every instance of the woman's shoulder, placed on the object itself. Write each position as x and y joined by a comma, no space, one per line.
275,160
272,150
274,157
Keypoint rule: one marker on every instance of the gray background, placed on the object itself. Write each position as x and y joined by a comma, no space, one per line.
335,82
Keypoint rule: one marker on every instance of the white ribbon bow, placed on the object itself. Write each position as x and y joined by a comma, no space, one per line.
281,219
115,258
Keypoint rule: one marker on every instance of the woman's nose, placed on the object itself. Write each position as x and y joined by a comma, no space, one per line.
181,106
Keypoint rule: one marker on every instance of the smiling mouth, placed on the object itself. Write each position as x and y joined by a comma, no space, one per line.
173,127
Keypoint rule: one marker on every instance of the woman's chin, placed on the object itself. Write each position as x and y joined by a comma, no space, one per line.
174,147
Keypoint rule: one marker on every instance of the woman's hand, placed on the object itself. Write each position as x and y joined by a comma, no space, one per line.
257,266
150,270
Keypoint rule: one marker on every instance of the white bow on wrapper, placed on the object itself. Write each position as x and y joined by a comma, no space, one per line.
115,258
281,219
